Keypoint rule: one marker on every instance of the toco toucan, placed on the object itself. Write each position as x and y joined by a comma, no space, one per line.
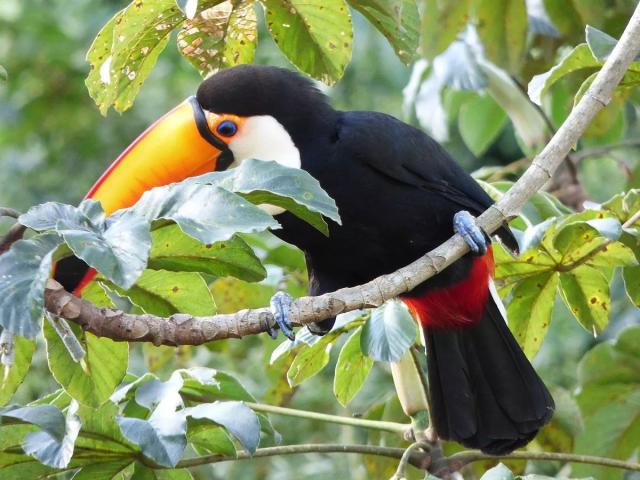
399,195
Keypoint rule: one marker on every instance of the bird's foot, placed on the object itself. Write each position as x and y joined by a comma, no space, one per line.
464,224
280,305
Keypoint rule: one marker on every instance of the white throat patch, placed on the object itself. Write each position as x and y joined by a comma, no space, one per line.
264,138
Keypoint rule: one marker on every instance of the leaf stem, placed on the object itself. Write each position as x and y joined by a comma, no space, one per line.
391,427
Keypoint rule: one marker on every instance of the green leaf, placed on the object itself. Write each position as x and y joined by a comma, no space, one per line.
162,437
559,434
585,291
564,16
631,277
13,376
352,369
502,27
529,311
103,470
577,59
205,212
106,365
389,332
48,418
117,247
398,21
310,360
609,396
220,37
24,270
4,76
480,121
164,293
53,444
271,183
210,439
600,43
173,250
143,472
315,35
442,20
126,49
235,417
499,472
101,433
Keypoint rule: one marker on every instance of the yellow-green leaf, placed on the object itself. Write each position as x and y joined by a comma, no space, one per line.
315,35
352,369
442,20
585,290
529,311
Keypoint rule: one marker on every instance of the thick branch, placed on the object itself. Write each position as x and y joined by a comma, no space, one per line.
188,330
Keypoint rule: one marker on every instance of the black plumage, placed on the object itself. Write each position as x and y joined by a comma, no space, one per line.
397,191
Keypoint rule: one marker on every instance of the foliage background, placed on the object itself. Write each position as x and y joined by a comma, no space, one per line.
54,143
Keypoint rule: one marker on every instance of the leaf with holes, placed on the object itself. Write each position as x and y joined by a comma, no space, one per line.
315,35
585,290
220,37
398,21
126,50
352,369
172,249
162,293
389,332
24,270
530,308
13,376
442,21
102,370
502,28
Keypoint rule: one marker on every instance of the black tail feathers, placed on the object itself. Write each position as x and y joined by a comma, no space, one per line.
484,392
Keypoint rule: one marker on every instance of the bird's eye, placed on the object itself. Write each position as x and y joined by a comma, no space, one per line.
227,128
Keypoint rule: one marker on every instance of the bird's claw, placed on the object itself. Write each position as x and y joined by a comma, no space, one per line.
280,304
464,224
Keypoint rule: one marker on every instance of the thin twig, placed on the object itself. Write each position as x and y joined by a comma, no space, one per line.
188,330
460,459
9,212
416,460
13,235
577,157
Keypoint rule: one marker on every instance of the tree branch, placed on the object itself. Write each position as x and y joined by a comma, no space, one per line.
460,459
183,329
417,460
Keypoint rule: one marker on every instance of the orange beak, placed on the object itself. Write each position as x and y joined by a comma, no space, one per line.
177,146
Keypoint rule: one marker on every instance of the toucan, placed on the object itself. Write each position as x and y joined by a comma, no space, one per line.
399,193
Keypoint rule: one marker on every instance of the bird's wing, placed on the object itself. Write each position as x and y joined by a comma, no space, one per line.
407,155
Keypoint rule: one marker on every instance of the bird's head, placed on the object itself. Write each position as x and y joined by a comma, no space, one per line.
249,111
